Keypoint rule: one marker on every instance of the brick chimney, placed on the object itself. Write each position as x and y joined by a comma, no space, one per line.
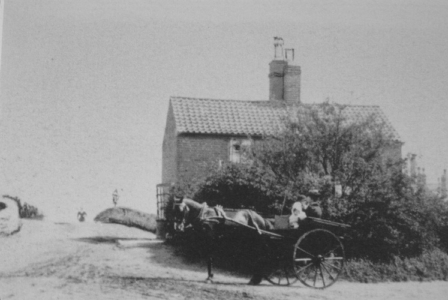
284,75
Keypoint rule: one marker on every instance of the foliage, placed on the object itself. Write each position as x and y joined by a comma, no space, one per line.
318,148
26,211
241,186
395,224
430,265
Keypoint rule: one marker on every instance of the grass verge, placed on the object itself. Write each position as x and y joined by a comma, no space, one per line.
431,265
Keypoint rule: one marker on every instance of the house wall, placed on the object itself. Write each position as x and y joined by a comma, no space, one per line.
169,150
199,154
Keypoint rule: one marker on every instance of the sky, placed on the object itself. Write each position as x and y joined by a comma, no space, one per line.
85,84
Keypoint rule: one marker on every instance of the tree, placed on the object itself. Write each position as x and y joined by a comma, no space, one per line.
320,147
317,148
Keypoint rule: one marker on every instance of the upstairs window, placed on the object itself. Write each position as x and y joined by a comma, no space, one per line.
239,150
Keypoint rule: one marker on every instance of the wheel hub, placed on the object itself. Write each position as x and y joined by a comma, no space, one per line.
318,259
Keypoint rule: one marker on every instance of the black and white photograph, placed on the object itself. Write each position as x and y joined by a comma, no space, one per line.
206,149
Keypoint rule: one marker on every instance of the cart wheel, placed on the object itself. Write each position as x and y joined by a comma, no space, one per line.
318,258
283,275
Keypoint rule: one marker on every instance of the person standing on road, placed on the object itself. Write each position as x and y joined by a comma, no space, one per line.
82,215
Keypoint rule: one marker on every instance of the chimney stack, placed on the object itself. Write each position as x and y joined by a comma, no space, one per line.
284,75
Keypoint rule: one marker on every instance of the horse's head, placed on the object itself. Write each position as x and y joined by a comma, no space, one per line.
180,212
297,215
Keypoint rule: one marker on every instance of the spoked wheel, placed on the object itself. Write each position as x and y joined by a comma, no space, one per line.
283,275
318,258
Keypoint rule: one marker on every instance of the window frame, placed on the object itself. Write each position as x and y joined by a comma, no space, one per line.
238,148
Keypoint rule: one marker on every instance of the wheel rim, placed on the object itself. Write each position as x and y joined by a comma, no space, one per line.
318,258
283,275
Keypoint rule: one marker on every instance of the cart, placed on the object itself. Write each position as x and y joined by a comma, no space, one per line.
312,254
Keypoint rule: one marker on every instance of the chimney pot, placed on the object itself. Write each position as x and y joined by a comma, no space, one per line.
278,48
289,54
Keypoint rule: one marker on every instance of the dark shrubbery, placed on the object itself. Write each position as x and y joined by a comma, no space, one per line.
430,265
238,186
26,211
401,219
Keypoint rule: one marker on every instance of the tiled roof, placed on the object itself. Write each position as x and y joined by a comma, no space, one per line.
235,117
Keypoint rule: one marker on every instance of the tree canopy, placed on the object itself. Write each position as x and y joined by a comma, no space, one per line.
318,148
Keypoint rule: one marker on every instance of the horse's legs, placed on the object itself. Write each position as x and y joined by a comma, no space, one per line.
210,266
258,272
256,279
210,252
263,260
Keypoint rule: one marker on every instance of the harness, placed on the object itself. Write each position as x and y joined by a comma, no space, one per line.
201,218
220,217
201,212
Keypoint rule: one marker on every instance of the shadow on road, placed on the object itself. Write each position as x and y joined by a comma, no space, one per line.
167,256
170,281
108,239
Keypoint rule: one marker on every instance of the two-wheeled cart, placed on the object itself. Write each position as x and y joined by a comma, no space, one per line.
312,254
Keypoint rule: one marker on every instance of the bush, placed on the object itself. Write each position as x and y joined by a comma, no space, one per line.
26,211
430,265
240,186
396,218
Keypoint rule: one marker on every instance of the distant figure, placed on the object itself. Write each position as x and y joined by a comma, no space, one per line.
82,215
115,197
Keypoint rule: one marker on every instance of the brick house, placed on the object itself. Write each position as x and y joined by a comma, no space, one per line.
204,133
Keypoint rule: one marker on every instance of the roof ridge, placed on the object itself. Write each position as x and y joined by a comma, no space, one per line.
214,99
268,101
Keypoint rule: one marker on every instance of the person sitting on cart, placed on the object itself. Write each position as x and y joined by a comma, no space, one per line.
302,209
311,208
297,215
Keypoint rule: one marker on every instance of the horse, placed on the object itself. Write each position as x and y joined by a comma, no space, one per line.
212,221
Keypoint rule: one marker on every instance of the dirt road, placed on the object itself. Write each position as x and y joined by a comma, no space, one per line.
97,261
